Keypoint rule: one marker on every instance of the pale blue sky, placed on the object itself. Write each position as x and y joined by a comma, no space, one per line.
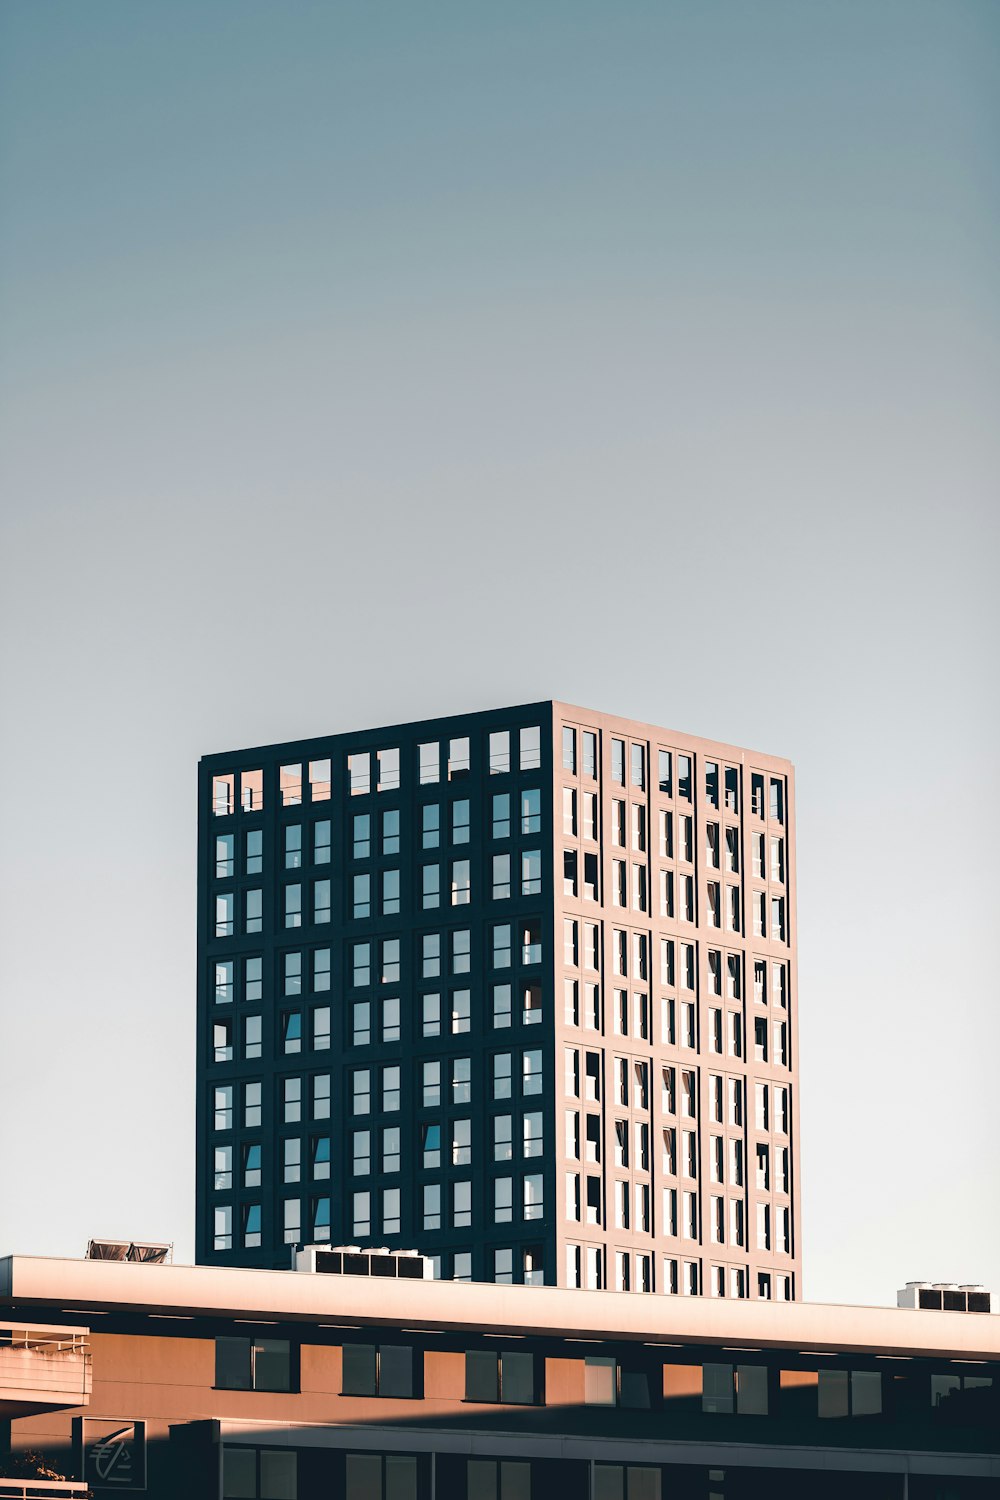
367,361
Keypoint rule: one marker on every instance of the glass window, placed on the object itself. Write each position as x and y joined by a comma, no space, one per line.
359,771
430,835
501,1006
460,882
390,831
499,752
501,877
321,1156
530,742
431,1014
362,840
569,750
390,892
290,785
458,758
224,982
319,780
224,843
531,810
431,887
460,821
361,906
293,846
531,872
501,815
321,901
430,763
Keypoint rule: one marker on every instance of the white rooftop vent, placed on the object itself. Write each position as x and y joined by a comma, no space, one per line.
350,1260
948,1296
147,1252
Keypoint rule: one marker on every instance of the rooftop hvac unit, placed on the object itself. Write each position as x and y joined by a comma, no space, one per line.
350,1260
947,1296
148,1253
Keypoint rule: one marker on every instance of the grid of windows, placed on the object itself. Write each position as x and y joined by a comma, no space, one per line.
401,895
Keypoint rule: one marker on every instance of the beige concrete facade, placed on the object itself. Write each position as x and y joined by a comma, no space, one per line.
676,996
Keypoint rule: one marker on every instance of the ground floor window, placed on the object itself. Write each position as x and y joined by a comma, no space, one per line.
259,1474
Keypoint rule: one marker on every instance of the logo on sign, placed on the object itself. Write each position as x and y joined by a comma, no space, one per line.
114,1454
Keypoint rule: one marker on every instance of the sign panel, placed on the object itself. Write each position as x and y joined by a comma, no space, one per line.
112,1453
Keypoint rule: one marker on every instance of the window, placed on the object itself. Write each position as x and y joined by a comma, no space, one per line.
461,1143
223,1179
253,1365
361,906
854,1393
251,1165
461,1080
293,846
569,750
777,801
501,945
503,1148
223,1228
431,1146
500,1376
461,1011
460,821
390,1089
501,815
224,982
362,844
251,1105
432,1205
460,882
589,753
291,1032
359,771
224,915
430,763
319,780
503,1200
618,761
501,1006
253,982
292,1159
531,1079
530,746
321,900
458,758
388,770
531,811
531,1012
252,790
224,844
531,942
361,1091
390,831
461,1204
361,1214
430,834
321,840
501,1075
390,892
431,1084
320,1155
378,1370
431,892
223,795
499,752
638,766
431,1015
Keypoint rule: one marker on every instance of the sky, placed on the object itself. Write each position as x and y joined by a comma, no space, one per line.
362,363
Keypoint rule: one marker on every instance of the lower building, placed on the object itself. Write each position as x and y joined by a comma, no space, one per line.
234,1384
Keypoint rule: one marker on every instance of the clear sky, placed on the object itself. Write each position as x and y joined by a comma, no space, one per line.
365,361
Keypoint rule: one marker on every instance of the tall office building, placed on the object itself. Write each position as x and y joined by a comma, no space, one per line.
515,988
